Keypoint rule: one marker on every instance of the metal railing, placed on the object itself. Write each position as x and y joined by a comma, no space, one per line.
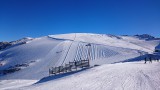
69,67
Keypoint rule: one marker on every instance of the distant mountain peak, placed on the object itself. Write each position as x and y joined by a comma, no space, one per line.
145,36
21,41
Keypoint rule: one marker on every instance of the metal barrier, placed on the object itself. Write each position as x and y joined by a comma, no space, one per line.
69,67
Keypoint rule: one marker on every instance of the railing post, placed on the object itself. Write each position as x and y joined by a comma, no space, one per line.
49,71
89,52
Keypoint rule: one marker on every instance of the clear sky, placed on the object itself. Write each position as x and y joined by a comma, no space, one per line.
35,18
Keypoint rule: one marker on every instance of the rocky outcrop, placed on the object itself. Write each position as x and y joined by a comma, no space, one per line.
4,45
146,37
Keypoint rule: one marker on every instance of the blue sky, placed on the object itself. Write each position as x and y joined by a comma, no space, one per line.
34,18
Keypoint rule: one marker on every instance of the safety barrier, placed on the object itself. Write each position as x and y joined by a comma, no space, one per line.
69,67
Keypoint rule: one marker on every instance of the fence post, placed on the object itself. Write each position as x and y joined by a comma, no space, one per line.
49,71
89,52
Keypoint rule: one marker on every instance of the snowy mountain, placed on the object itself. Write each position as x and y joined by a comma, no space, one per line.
22,41
4,45
28,60
146,37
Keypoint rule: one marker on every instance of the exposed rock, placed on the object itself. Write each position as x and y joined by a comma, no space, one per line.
22,41
146,37
4,45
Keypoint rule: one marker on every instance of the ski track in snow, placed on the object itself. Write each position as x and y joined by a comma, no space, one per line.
120,76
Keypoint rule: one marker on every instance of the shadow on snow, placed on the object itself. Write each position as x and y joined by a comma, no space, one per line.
58,76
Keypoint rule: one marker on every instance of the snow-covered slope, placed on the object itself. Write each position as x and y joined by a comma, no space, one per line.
34,56
131,42
121,76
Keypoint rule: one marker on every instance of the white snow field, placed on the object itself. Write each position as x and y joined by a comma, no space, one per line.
36,55
120,76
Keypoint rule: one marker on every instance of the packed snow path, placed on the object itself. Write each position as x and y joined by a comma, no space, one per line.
120,76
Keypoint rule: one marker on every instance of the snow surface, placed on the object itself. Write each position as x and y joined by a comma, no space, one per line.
55,50
120,76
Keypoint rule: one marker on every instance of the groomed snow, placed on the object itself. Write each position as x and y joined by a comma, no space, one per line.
120,76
